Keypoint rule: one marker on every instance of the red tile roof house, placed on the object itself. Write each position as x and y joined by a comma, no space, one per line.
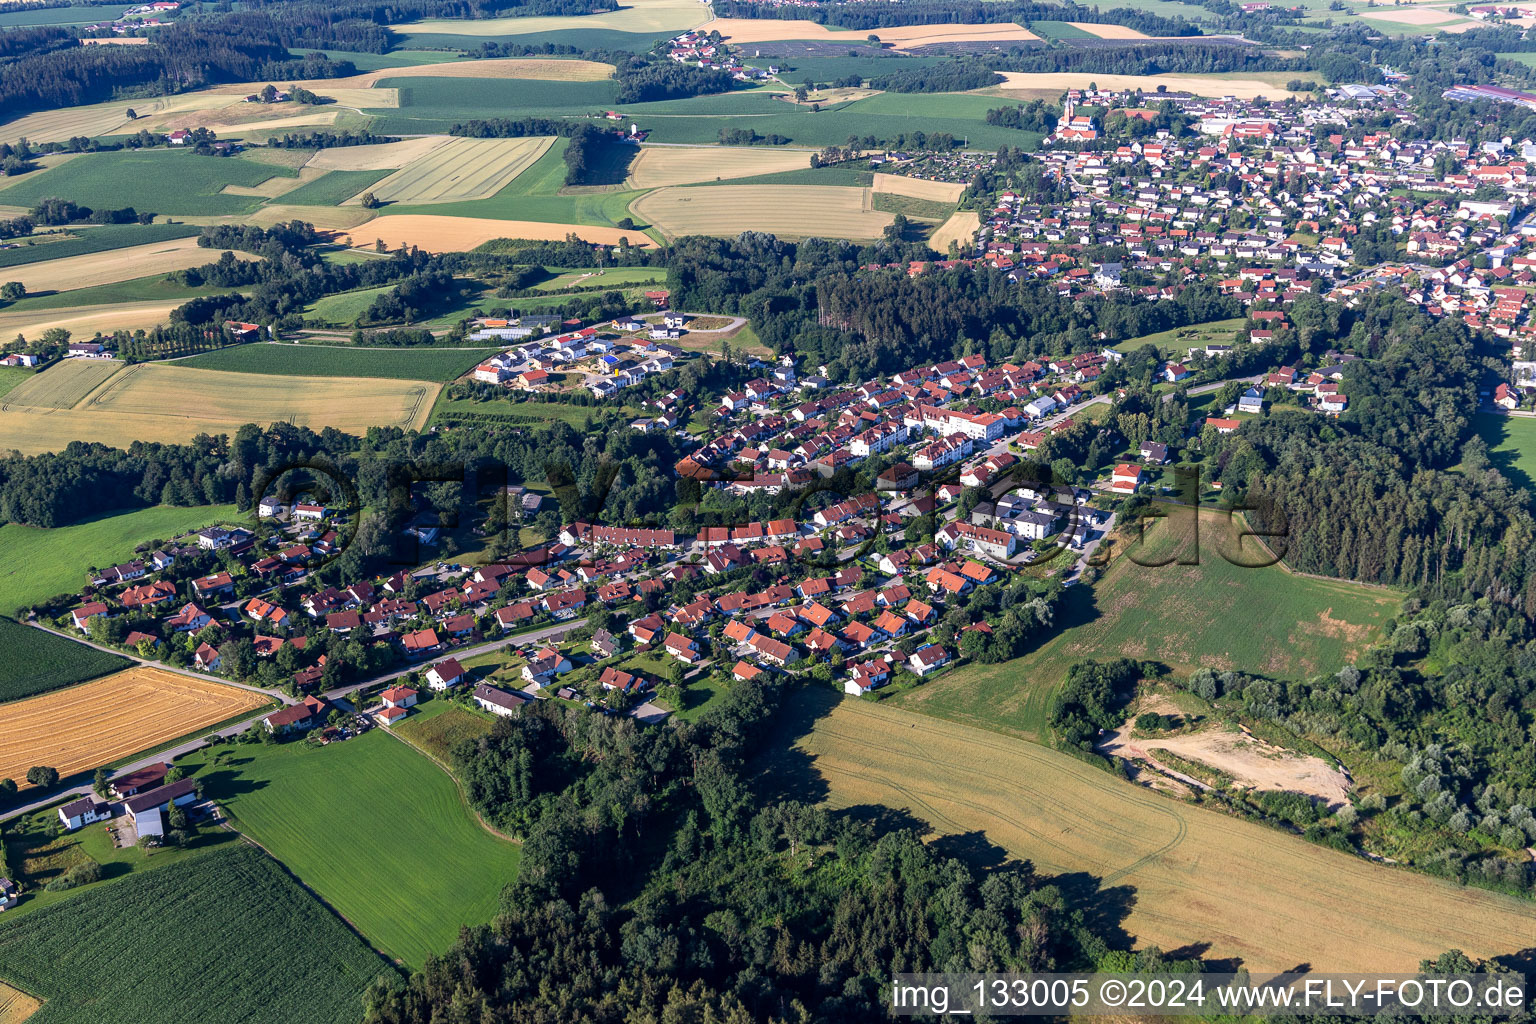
445,674
390,715
423,641
296,717
136,782
682,648
207,658
190,619
80,616
399,697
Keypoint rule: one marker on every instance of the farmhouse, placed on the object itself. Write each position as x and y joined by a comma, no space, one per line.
83,812
140,781
147,810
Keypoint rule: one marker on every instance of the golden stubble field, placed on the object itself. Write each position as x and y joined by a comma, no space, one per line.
460,234
459,170
115,265
1188,875
83,727
632,16
657,166
790,211
1051,84
918,188
168,403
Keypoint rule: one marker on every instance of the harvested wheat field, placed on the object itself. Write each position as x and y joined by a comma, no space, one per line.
63,385
158,402
460,234
116,264
460,169
84,321
1108,31
385,156
684,165
274,186
15,1005
1188,875
960,228
753,30
544,68
917,188
326,218
790,211
83,727
1051,84
633,16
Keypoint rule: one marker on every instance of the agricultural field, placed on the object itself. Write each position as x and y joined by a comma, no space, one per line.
60,16
167,402
83,727
165,945
82,240
1051,84
960,229
743,31
1106,31
610,277
339,816
115,265
116,180
460,234
433,104
461,170
85,321
15,1005
41,563
332,188
1178,875
1059,30
669,165
1291,627
32,661
548,69
383,156
12,377
414,364
62,385
789,211
639,16
918,188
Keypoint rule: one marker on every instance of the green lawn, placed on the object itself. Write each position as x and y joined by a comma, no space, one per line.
162,181
1215,614
93,239
32,661
373,826
1511,444
40,563
333,188
224,935
612,277
1176,341
432,364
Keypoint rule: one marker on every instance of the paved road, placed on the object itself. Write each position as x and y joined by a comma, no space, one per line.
190,745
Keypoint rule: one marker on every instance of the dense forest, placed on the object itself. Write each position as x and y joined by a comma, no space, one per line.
871,17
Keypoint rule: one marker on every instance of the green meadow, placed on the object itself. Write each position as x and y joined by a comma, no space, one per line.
431,364
1215,614
40,563
373,826
162,181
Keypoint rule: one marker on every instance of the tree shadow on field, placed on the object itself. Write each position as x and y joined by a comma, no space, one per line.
1104,910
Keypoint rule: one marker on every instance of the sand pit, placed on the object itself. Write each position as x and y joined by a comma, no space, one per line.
387,156
917,188
754,30
684,165
459,234
1051,84
114,265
